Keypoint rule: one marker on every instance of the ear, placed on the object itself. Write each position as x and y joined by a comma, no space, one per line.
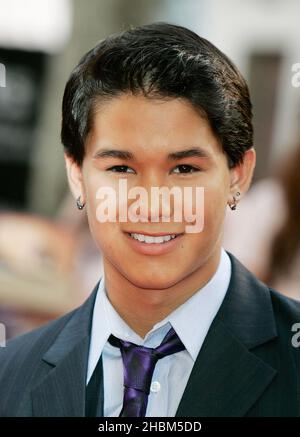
74,173
241,175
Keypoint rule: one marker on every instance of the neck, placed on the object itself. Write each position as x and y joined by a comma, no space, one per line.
142,308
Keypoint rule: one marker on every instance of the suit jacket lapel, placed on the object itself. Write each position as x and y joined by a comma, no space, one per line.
62,391
227,377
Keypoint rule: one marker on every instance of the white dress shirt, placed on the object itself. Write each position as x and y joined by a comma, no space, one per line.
191,321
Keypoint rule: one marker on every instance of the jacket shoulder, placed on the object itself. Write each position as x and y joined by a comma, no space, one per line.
286,309
24,363
30,346
287,318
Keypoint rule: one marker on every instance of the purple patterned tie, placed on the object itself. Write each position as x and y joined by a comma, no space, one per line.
139,363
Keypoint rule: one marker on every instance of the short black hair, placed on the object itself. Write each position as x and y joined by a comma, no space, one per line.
159,60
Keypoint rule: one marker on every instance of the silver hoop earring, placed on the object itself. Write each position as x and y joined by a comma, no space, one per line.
79,204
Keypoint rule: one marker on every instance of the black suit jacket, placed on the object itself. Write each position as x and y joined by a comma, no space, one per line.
247,365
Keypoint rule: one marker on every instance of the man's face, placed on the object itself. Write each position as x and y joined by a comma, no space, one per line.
151,130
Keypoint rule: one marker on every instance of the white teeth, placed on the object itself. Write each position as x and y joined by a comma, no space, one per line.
148,239
151,239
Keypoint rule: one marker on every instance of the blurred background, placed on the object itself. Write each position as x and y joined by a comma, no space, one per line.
48,261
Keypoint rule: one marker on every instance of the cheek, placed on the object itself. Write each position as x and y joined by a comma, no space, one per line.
198,246
93,181
106,235
215,204
215,201
100,191
103,233
209,202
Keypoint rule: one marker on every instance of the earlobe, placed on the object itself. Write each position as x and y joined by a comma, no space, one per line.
74,175
240,178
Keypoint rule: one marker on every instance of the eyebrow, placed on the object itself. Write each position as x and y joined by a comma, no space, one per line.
113,153
174,156
188,153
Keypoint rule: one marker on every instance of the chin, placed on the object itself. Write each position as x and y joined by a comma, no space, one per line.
149,282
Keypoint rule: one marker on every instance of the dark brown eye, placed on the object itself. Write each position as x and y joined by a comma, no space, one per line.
184,168
120,169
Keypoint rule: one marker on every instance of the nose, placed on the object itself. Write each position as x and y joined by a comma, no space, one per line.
157,204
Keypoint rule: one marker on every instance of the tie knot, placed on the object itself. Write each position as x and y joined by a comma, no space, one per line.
139,361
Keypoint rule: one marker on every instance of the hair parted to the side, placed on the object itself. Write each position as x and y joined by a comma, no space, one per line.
159,60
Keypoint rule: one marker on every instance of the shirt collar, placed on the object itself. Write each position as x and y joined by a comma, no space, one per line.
200,311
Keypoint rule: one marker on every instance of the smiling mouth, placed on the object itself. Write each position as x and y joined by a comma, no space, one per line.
152,239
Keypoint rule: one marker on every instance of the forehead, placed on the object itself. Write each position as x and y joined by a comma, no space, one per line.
151,125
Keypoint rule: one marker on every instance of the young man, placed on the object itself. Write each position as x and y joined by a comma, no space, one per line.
176,326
